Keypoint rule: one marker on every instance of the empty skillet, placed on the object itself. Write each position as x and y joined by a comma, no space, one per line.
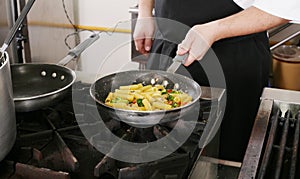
39,85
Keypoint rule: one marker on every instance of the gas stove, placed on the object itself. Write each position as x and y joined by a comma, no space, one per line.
50,142
273,149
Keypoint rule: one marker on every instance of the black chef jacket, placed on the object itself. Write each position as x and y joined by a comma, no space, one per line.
245,62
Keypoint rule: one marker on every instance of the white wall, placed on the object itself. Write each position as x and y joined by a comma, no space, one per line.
46,31
112,52
49,27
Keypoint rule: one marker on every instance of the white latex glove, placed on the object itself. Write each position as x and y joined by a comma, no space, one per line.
197,42
143,34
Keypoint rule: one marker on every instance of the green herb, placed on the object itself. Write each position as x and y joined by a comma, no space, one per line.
139,102
174,105
163,92
170,98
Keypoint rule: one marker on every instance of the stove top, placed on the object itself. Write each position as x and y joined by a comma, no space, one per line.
273,149
50,143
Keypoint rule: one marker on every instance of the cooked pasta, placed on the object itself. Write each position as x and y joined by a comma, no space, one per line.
146,98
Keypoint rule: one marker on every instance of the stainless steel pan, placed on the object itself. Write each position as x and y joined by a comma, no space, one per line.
100,89
39,85
7,110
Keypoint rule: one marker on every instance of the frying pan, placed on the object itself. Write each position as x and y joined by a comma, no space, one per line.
101,87
39,85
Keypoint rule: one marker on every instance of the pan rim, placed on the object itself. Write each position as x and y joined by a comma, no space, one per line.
49,93
5,61
146,112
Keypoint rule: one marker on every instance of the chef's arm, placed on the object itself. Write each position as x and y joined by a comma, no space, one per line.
200,38
248,21
145,8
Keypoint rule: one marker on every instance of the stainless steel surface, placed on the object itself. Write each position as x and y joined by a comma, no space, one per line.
213,168
281,95
221,162
174,66
272,100
75,52
17,24
286,65
210,93
22,40
39,85
177,61
100,89
11,50
277,30
283,99
7,110
214,122
133,10
256,141
285,40
209,139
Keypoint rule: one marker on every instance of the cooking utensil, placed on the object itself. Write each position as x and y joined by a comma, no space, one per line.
15,27
39,85
100,89
7,108
286,65
177,61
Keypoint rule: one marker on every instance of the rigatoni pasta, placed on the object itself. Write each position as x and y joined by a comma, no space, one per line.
146,98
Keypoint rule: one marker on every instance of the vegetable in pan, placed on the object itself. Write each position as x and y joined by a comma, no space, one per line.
147,98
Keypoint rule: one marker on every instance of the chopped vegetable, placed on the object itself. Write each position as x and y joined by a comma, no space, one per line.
164,92
170,98
174,105
140,102
119,100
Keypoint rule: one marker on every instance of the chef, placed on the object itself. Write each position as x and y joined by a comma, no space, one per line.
236,32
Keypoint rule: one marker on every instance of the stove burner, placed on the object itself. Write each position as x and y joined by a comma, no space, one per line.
273,148
50,144
281,153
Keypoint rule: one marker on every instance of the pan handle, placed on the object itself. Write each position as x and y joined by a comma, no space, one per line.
76,51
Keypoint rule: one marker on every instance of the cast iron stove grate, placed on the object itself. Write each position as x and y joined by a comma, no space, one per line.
50,144
282,147
273,149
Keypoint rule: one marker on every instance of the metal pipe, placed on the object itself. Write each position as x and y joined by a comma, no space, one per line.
285,40
133,10
278,29
17,24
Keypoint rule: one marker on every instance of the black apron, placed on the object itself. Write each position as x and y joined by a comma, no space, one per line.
245,62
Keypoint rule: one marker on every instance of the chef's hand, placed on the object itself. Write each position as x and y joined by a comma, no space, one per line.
197,42
143,34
